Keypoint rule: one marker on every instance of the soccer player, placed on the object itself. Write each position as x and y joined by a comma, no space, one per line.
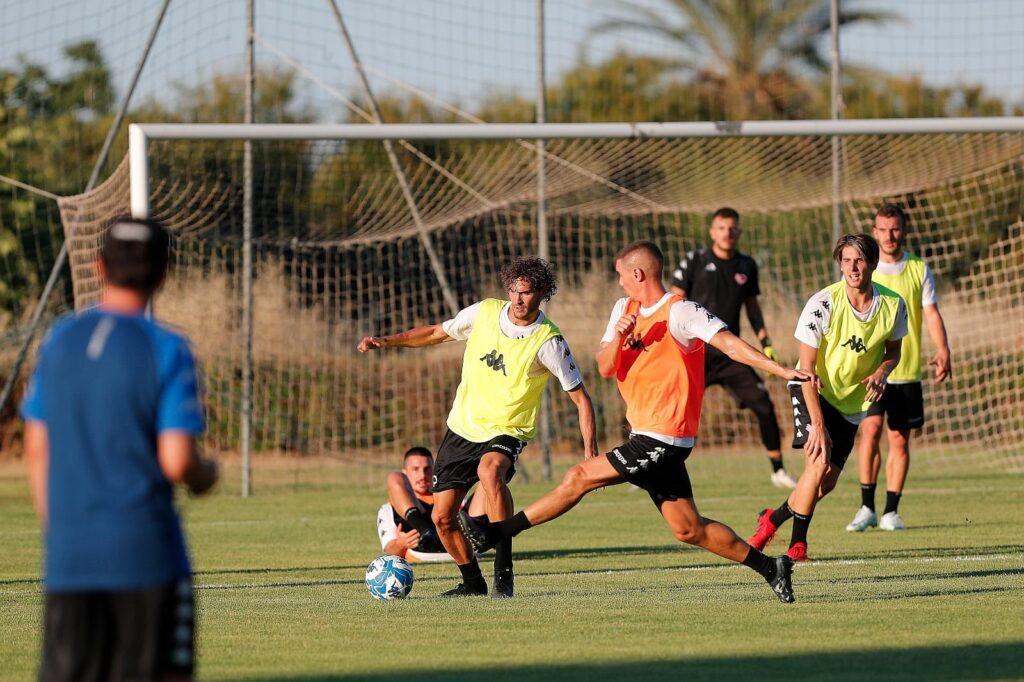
111,418
903,401
723,280
512,349
403,522
654,347
850,332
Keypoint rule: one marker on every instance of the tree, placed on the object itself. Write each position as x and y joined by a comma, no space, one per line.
749,58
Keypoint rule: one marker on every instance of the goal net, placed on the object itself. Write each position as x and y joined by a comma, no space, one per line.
338,252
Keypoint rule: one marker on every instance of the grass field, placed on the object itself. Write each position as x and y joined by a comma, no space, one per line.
604,593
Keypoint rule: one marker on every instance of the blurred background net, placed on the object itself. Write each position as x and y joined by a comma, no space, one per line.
338,255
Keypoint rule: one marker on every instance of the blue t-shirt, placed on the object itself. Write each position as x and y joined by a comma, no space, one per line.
105,386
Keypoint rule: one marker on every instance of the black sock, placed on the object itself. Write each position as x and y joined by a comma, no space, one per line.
471,575
514,526
781,515
801,522
892,501
503,556
419,520
761,563
867,495
776,464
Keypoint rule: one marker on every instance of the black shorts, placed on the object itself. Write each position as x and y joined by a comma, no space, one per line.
126,635
457,459
904,405
657,467
840,430
741,381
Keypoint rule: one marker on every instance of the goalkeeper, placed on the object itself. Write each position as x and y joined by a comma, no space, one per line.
723,280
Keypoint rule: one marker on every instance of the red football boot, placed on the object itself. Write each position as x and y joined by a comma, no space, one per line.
798,551
765,532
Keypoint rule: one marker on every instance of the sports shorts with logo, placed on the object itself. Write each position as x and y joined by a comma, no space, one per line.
457,459
658,468
903,405
840,430
142,634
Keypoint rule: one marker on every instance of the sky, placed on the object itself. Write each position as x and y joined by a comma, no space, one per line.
461,50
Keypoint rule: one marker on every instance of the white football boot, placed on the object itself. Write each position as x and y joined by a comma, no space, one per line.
862,520
891,521
782,479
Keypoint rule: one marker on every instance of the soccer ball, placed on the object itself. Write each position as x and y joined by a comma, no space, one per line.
389,577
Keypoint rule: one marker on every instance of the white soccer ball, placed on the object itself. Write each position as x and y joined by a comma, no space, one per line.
389,577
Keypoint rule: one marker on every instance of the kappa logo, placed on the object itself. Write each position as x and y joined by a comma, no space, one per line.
813,327
855,343
825,305
740,278
656,454
818,314
707,313
495,361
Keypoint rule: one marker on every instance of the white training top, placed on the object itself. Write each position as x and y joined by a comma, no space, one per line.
554,356
687,322
815,318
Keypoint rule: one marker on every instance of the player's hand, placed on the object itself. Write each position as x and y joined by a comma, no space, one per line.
876,384
370,343
771,354
203,477
625,324
801,375
409,540
819,443
941,363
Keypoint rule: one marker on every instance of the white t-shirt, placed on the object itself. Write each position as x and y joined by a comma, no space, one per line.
928,293
554,356
815,318
688,321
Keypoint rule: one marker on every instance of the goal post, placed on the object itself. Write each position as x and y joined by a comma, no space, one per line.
338,254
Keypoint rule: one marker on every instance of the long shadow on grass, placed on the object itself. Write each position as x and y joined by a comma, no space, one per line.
978,662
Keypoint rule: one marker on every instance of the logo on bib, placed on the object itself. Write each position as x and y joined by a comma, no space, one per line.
495,361
856,344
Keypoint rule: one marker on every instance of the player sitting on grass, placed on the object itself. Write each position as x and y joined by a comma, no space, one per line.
903,401
850,332
654,347
111,417
512,349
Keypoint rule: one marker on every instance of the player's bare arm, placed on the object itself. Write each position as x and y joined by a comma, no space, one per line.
608,354
756,318
181,462
877,381
431,335
403,543
37,457
740,351
588,422
819,443
942,361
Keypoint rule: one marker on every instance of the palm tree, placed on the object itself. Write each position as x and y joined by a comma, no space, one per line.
754,58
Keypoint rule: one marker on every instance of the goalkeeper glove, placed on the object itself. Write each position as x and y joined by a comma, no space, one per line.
770,352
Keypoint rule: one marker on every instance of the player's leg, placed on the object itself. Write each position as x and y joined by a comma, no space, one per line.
690,527
78,637
868,461
455,472
493,473
896,467
751,393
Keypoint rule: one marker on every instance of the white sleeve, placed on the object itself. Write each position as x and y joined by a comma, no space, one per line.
814,320
557,358
461,326
688,320
386,528
900,329
617,311
928,294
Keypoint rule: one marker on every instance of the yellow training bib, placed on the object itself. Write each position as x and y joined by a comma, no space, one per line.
908,284
497,395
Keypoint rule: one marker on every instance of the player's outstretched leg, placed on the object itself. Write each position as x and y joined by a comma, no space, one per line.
446,507
690,527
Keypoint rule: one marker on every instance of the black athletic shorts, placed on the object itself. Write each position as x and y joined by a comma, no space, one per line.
841,431
741,381
657,467
457,459
903,404
126,635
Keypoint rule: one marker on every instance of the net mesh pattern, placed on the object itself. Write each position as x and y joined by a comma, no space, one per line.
337,256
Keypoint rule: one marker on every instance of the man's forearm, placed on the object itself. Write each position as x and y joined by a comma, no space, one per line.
36,463
813,402
739,350
936,328
418,337
608,357
588,424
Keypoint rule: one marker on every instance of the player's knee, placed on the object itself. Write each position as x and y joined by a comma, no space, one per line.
690,532
491,475
575,480
444,520
827,486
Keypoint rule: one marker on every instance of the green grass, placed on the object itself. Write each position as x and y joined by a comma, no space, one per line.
604,593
